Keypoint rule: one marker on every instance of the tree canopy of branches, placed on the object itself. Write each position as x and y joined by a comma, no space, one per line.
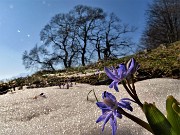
86,18
114,38
75,37
109,37
39,57
60,36
163,23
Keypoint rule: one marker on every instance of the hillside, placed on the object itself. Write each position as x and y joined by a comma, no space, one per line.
161,62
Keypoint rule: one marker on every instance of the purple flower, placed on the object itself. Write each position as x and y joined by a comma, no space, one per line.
97,72
117,75
109,110
132,66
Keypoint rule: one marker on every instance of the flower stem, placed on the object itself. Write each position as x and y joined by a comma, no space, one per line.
135,97
127,89
135,119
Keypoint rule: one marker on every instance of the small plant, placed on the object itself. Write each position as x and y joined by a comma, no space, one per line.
157,124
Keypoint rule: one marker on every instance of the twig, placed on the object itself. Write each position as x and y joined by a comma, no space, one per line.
94,95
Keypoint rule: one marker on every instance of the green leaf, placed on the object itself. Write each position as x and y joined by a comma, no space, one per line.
173,113
158,122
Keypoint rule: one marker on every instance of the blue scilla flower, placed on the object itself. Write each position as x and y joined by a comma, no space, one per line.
116,75
124,71
109,108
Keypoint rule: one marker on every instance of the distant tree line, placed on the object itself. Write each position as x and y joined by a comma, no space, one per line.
78,37
163,23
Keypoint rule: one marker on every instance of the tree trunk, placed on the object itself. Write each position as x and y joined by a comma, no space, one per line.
98,50
65,63
83,58
84,50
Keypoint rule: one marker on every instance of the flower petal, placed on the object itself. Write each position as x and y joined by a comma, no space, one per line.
109,115
101,105
125,104
110,74
132,66
115,71
111,85
109,100
109,96
127,99
116,86
118,115
130,63
106,110
101,118
122,71
113,123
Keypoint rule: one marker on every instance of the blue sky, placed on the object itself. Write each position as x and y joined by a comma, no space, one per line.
22,20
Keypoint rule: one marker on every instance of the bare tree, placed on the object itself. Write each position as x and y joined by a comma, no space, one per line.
110,37
76,36
60,36
85,17
96,40
163,23
115,37
39,58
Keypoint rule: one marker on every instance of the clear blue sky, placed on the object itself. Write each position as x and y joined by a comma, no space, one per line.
22,20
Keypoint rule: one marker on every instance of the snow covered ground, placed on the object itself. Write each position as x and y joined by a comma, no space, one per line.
67,111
